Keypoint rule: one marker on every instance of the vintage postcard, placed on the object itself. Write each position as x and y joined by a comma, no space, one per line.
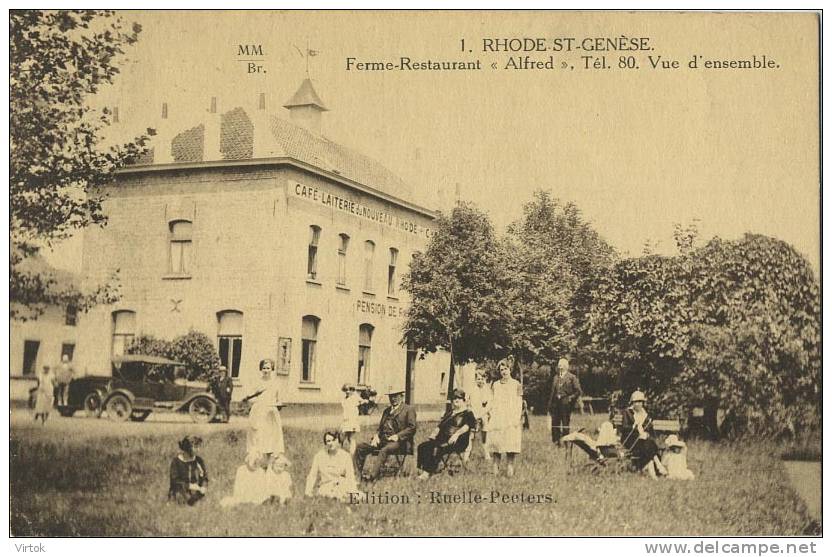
415,273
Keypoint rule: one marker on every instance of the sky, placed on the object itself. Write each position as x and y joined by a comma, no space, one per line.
636,149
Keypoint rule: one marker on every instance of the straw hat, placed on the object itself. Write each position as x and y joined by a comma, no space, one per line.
673,441
395,389
637,396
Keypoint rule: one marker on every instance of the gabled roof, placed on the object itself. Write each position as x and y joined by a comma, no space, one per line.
306,96
285,139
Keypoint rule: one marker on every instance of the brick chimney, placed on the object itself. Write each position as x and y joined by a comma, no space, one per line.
306,107
213,129
264,144
162,152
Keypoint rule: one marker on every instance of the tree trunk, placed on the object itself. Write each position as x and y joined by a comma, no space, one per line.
451,374
711,408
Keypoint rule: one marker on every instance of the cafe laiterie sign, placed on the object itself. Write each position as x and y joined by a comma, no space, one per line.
357,209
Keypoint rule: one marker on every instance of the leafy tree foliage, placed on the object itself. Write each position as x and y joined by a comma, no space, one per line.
193,349
551,251
733,325
57,59
457,291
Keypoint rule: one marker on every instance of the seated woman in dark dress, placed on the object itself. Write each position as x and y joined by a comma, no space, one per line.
450,436
188,475
637,436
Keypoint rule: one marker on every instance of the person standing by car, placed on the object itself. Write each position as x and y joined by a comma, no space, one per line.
222,386
566,390
44,398
63,377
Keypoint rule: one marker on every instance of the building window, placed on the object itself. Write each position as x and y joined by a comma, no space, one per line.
343,244
30,356
230,340
369,255
309,344
312,260
180,247
68,350
391,272
365,339
71,318
124,329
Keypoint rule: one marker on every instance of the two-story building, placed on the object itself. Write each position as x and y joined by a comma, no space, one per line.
274,241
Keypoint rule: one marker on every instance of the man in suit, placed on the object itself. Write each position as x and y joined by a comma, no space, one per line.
566,390
222,386
395,434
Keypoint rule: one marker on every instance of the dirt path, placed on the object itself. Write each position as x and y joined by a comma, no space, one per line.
80,428
805,477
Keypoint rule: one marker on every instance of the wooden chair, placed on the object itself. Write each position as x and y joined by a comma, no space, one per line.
395,466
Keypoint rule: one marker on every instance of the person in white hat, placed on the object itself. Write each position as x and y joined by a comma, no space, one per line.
395,435
565,392
637,436
675,459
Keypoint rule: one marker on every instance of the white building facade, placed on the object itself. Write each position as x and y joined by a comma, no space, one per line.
276,243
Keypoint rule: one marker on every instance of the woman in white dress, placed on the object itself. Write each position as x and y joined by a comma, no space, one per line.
334,466
265,430
505,422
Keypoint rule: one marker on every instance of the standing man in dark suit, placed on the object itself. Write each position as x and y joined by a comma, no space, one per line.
395,434
566,390
222,386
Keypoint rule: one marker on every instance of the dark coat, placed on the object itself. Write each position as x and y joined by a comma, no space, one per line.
628,432
565,390
222,387
402,424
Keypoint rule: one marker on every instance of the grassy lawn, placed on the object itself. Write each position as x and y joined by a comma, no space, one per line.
117,487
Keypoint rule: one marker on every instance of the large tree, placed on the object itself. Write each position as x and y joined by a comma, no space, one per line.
57,61
732,325
551,251
456,289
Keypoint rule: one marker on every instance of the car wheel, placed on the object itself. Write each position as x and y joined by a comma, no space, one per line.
139,415
202,410
119,408
92,405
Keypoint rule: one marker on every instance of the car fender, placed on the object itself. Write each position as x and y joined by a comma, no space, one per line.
107,396
183,404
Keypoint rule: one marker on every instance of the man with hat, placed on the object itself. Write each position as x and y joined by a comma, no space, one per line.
222,386
395,434
565,392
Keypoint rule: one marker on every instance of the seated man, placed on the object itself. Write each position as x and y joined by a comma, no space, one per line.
450,436
395,434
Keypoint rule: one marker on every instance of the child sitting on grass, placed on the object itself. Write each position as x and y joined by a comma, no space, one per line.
261,479
675,459
278,481
188,475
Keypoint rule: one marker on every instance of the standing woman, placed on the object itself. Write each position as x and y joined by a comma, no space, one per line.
265,429
45,395
479,399
505,418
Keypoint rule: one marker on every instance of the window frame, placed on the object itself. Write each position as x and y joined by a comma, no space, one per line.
312,252
309,350
181,244
369,264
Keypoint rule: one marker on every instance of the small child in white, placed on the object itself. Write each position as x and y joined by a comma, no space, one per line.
675,459
349,424
248,482
278,481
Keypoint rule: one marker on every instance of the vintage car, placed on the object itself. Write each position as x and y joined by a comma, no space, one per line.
142,384
86,393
